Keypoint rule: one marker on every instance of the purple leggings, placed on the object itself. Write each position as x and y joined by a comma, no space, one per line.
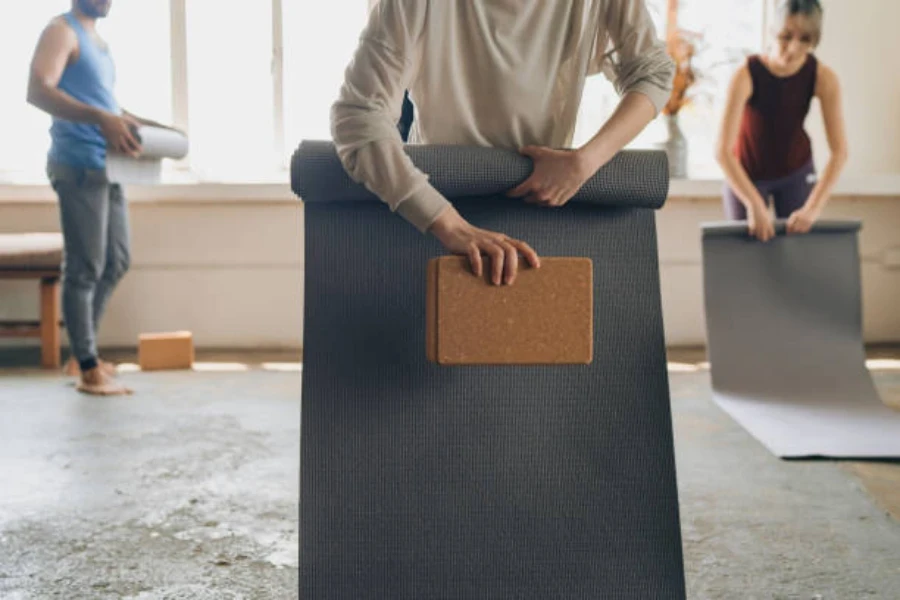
789,193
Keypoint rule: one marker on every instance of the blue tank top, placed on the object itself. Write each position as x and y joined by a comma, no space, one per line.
90,79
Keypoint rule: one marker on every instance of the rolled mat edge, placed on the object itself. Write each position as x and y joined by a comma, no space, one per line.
739,228
632,178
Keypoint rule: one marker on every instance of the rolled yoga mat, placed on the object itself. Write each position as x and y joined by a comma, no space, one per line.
425,481
157,143
785,342
629,179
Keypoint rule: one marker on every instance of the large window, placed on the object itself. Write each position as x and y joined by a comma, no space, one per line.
249,84
230,92
728,31
138,36
319,41
24,130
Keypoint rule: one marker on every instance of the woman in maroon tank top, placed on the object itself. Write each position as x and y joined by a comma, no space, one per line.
763,148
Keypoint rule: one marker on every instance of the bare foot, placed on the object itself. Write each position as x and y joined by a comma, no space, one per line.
98,383
73,370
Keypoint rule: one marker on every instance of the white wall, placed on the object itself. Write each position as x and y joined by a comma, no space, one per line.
232,271
861,44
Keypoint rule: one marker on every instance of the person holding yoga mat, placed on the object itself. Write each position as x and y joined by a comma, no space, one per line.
763,148
499,73
72,78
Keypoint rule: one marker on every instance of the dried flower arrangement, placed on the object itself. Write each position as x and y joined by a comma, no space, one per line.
682,47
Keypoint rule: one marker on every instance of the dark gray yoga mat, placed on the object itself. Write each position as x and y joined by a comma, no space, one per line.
420,481
630,179
785,342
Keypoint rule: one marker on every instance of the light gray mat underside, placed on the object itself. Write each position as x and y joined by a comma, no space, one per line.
784,324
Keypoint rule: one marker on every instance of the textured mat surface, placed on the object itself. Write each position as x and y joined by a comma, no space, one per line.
422,481
632,178
785,342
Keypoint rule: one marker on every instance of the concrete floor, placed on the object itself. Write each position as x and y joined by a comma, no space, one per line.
756,527
186,490
189,490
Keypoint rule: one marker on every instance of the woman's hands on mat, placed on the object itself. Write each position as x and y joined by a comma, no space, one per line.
802,219
461,237
759,222
761,225
556,177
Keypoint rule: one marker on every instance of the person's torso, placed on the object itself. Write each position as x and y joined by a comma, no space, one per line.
772,142
89,79
502,73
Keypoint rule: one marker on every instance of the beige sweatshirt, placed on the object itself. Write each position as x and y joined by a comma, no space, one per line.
499,73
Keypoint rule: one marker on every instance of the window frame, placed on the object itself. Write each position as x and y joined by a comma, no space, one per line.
181,79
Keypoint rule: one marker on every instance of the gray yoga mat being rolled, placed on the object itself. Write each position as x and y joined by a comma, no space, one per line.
632,178
785,342
422,481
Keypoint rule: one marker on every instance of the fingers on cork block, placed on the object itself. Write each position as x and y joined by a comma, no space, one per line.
544,318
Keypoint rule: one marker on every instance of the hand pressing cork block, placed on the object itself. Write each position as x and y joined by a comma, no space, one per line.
546,317
158,351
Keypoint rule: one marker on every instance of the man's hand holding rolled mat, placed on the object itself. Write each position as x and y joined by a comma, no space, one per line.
119,132
142,121
557,176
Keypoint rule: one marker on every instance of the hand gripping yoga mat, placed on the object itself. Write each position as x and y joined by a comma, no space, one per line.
630,179
421,481
157,143
785,342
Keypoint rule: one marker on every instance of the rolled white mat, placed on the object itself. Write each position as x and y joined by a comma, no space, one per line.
157,143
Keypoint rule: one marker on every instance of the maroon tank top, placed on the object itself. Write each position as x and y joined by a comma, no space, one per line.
772,142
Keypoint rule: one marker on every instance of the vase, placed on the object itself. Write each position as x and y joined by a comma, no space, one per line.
676,148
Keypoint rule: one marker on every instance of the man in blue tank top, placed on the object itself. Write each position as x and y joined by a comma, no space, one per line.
72,79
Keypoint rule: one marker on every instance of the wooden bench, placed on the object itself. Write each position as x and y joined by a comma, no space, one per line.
35,256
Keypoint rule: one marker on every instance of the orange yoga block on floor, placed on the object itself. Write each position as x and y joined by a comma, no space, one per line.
158,351
546,317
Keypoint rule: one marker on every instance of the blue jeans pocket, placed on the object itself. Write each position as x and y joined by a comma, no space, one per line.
64,177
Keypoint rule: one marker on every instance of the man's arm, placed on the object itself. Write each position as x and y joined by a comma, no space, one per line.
148,122
56,46
364,128
641,71
368,108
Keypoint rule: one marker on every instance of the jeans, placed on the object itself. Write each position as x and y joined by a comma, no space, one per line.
96,249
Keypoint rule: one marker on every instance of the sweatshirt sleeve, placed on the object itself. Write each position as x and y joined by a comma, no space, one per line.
631,55
364,117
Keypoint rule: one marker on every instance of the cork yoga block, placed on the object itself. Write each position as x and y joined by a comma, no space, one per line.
544,318
158,351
